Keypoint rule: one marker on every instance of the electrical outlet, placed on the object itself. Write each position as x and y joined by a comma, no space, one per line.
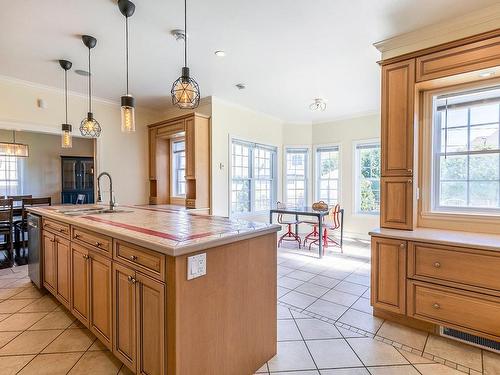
196,266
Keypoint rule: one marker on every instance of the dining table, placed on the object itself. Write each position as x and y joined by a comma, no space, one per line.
309,211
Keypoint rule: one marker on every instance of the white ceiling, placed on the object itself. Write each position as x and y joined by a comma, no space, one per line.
287,52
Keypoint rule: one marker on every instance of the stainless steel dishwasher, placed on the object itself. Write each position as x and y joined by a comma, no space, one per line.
35,265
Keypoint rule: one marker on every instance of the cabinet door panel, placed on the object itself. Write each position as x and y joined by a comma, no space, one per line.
80,283
63,270
398,81
49,263
124,314
389,275
190,148
101,298
151,320
396,203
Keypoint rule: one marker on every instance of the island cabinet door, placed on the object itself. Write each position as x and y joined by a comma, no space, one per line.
80,283
151,330
100,317
63,250
388,275
49,263
124,315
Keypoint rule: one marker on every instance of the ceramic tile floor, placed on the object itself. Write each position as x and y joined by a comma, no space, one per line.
324,327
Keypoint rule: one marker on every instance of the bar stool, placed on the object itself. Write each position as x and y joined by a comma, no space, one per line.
317,206
331,223
289,235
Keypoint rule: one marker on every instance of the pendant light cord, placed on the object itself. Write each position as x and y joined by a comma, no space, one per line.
66,93
90,86
126,48
185,33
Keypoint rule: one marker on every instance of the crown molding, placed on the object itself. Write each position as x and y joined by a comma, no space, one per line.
473,23
348,117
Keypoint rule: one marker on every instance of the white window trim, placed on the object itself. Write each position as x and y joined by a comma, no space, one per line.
355,179
309,167
274,185
315,170
173,179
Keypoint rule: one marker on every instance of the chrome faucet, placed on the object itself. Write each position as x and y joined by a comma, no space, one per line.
99,198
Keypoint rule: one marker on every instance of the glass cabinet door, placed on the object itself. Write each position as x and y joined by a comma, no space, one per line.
69,172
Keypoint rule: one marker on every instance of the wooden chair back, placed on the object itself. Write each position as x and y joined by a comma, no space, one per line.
280,206
32,202
19,198
6,212
333,217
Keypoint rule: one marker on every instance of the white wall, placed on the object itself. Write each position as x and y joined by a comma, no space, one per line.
345,132
123,155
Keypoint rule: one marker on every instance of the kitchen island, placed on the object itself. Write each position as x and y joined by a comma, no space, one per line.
167,291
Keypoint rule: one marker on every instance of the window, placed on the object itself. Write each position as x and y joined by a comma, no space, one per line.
9,176
466,151
327,174
296,176
179,168
367,159
253,183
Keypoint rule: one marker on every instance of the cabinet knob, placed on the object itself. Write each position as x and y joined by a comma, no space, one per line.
131,279
77,235
436,306
133,257
437,265
410,170
98,244
85,256
402,246
61,230
410,181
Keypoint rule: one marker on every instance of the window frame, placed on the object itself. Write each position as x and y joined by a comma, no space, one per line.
173,170
307,171
274,175
357,174
316,175
18,188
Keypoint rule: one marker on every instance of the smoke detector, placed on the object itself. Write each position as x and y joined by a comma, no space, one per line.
241,86
318,104
178,34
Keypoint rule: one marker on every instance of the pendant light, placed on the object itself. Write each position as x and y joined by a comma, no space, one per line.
185,90
13,148
127,8
66,128
89,127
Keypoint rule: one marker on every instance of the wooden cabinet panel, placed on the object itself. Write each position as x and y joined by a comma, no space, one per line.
95,240
396,202
455,308
397,149
49,262
151,326
440,263
474,56
56,227
63,250
144,260
190,148
100,277
80,283
124,315
388,284
152,153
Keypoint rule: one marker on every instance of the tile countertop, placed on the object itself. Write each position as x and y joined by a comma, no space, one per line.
483,241
168,230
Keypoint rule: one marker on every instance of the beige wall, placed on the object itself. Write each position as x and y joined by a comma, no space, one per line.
41,171
123,155
344,133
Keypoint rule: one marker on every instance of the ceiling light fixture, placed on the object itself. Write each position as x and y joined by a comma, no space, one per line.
127,8
318,104
90,127
66,128
185,90
220,53
13,148
241,86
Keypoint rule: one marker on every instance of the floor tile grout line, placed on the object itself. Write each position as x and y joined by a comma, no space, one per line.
74,364
304,341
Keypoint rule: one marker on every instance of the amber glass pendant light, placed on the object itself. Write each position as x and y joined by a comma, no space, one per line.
127,8
90,127
185,90
66,128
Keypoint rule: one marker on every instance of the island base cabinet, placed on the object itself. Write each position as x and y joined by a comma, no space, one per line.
80,283
139,321
63,251
49,263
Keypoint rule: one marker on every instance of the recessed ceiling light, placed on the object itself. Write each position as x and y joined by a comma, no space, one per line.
241,86
82,72
220,53
486,74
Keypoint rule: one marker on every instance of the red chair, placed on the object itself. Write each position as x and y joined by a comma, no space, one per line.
331,222
290,235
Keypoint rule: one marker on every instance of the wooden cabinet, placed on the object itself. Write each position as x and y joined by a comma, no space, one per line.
388,278
80,283
396,197
49,262
139,321
398,85
63,253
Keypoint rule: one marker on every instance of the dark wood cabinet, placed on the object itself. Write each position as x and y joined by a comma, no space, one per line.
77,175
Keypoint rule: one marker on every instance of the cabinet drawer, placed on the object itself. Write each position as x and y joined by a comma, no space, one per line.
95,240
454,308
150,262
56,227
453,264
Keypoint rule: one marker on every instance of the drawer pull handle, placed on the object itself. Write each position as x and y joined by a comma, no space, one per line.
410,170
436,306
77,235
133,257
410,181
98,244
437,265
131,279
85,257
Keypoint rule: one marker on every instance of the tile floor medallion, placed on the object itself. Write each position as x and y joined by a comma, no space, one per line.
325,327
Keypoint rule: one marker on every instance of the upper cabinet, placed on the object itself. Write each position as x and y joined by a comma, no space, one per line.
398,81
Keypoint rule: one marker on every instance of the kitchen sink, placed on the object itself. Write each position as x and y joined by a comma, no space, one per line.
91,211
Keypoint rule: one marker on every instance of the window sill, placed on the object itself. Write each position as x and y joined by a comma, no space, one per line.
461,216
